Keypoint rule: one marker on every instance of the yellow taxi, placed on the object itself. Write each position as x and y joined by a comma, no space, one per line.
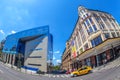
81,71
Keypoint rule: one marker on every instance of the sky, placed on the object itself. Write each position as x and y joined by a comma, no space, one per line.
60,15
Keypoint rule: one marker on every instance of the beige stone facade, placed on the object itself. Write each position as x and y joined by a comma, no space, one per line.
95,37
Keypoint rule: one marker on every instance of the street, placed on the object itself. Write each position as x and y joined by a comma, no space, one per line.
7,73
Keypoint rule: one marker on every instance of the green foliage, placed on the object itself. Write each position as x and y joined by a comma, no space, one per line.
56,67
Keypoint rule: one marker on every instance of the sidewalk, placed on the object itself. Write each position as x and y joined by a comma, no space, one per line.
21,70
109,65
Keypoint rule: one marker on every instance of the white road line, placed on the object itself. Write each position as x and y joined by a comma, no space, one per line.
54,76
62,76
1,71
66,75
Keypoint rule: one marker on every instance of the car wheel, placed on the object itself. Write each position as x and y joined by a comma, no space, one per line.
74,75
90,71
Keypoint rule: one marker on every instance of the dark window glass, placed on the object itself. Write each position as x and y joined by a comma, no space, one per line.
90,20
113,34
104,19
87,22
96,41
95,15
93,44
107,35
90,30
94,27
102,26
34,64
86,46
85,25
35,57
97,19
118,34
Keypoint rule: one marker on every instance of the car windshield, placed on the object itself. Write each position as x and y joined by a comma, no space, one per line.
83,68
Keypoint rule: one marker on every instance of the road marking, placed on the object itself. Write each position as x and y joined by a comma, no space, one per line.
62,76
54,76
1,71
57,75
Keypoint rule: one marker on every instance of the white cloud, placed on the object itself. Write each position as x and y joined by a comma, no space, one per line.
54,58
1,31
58,61
13,31
57,51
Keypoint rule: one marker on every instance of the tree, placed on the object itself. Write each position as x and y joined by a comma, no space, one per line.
57,67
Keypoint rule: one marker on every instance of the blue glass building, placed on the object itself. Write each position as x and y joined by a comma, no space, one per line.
30,48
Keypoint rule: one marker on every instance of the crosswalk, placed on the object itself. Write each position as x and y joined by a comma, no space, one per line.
1,71
57,76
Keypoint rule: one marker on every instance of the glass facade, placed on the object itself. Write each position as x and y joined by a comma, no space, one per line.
30,46
16,42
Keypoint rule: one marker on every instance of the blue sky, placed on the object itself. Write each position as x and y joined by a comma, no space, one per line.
60,15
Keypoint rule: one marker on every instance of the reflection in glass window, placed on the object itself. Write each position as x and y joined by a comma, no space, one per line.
87,22
94,27
90,30
97,19
101,26
113,34
90,20
96,41
107,35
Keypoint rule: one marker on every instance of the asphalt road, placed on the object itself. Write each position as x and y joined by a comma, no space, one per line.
7,73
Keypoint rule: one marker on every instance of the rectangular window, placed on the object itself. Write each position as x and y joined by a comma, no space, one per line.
113,26
76,45
96,41
35,57
90,20
94,27
97,19
82,34
86,46
104,19
93,44
85,25
118,34
79,41
107,35
90,30
113,34
102,26
87,22
34,64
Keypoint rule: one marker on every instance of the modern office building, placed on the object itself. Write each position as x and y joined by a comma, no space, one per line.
94,41
31,49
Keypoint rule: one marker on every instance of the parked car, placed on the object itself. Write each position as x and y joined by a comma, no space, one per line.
40,72
58,72
62,71
81,71
69,71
